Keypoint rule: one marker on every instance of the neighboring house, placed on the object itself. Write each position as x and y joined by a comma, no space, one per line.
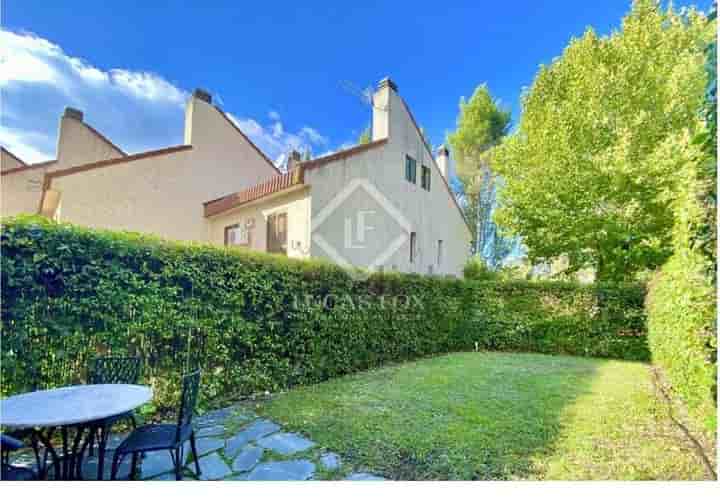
387,201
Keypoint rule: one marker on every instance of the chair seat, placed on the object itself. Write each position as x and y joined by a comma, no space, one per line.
152,437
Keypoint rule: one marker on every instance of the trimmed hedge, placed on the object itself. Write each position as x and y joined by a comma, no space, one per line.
681,304
681,315
254,321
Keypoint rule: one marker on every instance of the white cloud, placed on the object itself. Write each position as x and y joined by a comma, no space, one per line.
26,145
277,129
313,136
138,110
275,141
147,86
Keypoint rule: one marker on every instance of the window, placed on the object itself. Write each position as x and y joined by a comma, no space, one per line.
277,233
410,169
239,234
413,243
425,179
440,253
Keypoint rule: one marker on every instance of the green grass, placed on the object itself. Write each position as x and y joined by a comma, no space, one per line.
494,416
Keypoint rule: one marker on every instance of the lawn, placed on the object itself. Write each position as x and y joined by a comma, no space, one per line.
494,416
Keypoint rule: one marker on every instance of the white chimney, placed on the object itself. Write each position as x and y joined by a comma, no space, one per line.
293,160
443,161
381,101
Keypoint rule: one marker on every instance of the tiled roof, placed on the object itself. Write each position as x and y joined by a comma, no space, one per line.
273,185
282,182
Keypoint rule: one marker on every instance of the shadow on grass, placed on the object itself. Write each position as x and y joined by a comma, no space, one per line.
467,416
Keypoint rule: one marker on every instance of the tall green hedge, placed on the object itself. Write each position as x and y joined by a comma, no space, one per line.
256,322
681,304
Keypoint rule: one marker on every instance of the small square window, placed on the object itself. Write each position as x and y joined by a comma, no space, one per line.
425,179
238,234
410,169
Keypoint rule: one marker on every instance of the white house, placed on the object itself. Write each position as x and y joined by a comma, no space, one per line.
384,205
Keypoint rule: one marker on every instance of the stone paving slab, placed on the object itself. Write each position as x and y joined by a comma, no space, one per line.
286,443
212,430
247,448
157,462
331,461
363,476
247,459
256,430
208,445
164,477
213,468
216,417
288,470
90,467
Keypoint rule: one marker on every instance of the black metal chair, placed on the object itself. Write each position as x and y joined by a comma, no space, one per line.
171,437
111,370
9,472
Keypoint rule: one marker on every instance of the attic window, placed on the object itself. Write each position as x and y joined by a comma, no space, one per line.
410,169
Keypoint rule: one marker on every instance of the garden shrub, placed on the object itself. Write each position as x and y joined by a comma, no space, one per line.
254,321
477,269
681,303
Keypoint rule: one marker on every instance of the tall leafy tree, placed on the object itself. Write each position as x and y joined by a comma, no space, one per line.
604,132
481,124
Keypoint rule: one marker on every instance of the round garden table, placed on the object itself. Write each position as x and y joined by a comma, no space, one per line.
71,411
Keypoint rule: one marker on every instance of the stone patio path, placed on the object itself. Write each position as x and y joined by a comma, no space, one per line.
236,445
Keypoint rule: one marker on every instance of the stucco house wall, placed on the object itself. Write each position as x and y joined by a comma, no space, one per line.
296,203
433,215
78,143
162,191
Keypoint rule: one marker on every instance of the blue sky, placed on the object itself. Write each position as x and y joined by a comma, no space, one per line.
277,69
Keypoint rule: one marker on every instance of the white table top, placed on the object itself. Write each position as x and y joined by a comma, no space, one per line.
71,405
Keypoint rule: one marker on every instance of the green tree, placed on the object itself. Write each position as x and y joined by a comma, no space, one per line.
605,129
365,136
481,124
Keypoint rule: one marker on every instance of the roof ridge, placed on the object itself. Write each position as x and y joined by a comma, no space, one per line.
342,154
116,160
104,138
13,155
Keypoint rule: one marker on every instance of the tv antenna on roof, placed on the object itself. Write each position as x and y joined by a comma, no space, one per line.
365,95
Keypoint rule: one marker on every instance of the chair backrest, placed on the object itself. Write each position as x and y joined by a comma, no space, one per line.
8,444
115,370
188,400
